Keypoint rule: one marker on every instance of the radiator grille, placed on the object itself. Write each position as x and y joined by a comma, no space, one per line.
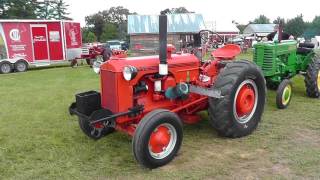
267,64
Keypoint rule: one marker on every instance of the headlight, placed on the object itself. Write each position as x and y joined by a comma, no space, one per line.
96,66
129,72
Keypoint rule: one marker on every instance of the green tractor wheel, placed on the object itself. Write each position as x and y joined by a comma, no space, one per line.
312,79
284,94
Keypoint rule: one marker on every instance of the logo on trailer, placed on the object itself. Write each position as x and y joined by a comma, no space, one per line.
15,34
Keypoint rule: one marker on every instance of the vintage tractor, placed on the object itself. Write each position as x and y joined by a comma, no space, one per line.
282,60
150,97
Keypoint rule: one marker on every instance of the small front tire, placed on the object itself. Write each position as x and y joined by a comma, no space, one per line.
157,138
284,94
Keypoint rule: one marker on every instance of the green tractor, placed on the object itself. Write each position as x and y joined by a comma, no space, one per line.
282,60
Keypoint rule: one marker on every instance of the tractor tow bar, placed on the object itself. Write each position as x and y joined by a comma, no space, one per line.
132,112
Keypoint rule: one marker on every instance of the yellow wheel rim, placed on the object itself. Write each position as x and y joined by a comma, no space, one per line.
318,81
286,95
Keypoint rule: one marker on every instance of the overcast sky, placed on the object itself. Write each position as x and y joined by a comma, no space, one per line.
241,11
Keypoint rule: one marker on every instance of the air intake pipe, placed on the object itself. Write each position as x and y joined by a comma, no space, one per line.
163,66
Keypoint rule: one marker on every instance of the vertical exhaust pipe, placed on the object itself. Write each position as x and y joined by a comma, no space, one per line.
163,66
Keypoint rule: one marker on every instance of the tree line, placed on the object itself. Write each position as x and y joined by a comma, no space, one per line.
295,26
34,9
112,23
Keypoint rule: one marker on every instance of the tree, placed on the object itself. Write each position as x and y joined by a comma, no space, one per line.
97,22
117,16
47,9
316,24
110,31
178,10
295,26
18,9
61,10
88,36
262,19
279,20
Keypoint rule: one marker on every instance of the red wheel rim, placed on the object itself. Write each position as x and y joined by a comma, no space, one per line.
159,139
245,101
162,141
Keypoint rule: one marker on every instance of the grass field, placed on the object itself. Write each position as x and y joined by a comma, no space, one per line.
40,140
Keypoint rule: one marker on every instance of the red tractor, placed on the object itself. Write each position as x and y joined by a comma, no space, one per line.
150,98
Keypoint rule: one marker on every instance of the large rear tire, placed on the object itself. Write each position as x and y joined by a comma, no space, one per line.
239,111
157,138
312,79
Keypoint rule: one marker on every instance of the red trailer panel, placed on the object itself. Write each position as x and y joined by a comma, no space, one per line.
39,42
18,40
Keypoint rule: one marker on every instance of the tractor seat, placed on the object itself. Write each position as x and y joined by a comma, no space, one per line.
306,45
304,50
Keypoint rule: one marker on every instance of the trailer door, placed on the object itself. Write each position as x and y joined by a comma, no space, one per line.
40,42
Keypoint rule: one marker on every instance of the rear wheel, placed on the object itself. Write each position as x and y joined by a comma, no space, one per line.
284,94
5,67
312,79
21,66
239,111
157,138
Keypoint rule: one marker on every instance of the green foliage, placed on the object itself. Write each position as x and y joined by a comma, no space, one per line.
117,16
262,19
316,24
178,10
18,9
88,36
32,9
279,20
110,31
295,26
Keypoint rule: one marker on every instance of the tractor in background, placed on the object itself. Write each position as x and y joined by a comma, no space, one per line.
150,97
281,60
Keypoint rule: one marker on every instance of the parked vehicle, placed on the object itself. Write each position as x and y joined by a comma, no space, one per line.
114,44
150,97
282,60
25,43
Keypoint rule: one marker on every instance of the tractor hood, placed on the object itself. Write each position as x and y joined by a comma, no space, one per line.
148,62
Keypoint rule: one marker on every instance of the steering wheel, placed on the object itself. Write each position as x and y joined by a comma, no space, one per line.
205,39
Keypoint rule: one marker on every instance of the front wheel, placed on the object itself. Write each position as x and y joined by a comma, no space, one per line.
239,111
157,138
284,94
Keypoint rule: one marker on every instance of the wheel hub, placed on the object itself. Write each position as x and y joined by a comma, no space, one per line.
286,95
5,68
162,141
159,139
245,100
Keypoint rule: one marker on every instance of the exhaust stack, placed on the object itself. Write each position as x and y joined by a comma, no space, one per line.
163,66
